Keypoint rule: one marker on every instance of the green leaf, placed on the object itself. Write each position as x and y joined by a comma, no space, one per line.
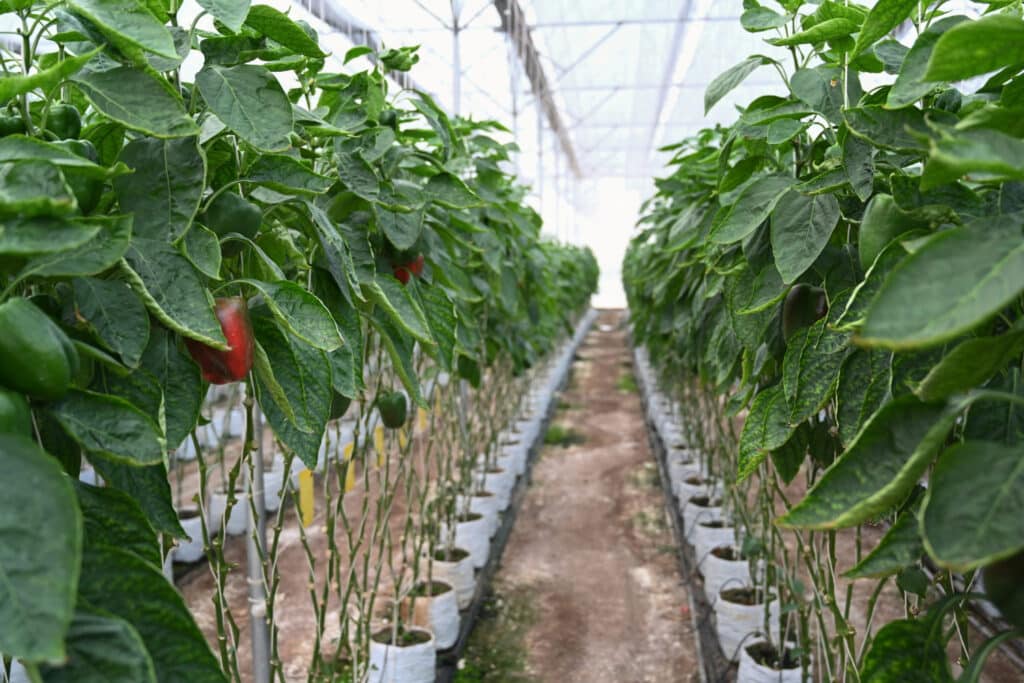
304,373
981,153
883,222
859,165
955,281
202,248
766,428
358,175
287,174
910,85
336,249
115,314
250,102
789,457
113,518
830,29
883,18
95,256
909,651
102,649
441,318
276,25
810,368
977,47
879,468
231,13
265,372
752,207
20,147
41,534
901,547
401,229
165,190
137,592
180,380
801,227
149,487
756,19
45,235
389,294
45,80
137,100
171,290
970,364
449,191
964,532
129,26
300,312
865,385
893,130
110,427
725,82
34,188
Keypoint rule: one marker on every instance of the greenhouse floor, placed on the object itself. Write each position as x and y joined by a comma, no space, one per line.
589,588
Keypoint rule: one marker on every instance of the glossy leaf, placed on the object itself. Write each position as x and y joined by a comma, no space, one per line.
964,532
138,101
727,81
910,85
883,18
102,649
41,534
977,47
166,187
865,385
113,518
276,25
300,312
250,102
111,428
955,281
906,650
801,227
766,428
115,314
149,487
900,547
751,208
129,26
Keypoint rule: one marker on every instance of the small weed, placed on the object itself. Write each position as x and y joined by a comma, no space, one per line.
565,405
497,649
561,435
627,383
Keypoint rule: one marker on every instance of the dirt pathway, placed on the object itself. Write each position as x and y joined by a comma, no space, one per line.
591,553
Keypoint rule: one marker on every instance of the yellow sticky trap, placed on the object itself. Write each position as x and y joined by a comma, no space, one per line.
307,502
403,438
350,469
437,404
421,419
378,443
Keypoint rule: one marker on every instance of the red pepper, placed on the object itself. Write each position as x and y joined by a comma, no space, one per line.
405,271
223,367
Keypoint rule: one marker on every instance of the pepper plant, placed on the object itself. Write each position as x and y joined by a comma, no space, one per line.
146,206
844,266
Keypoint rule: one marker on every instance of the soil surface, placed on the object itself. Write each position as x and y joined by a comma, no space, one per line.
591,550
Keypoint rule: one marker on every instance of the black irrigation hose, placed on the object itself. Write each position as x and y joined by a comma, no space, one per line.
448,660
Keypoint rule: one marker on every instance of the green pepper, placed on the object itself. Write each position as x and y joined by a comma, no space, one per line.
64,121
15,417
339,405
1004,588
393,410
36,357
9,125
87,189
229,213
804,305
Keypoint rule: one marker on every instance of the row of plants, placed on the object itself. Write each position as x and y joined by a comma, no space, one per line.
831,290
308,234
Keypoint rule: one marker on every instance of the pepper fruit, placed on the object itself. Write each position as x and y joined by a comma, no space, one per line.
1003,587
339,405
405,271
88,190
15,417
64,121
36,357
228,213
392,408
804,306
10,125
223,367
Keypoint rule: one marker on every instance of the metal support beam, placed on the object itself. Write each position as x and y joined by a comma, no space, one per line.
513,23
584,23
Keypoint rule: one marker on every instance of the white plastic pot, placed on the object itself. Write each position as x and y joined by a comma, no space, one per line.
439,614
721,574
273,485
706,537
752,672
485,504
737,624
500,482
473,534
513,461
191,549
694,512
397,664
186,452
457,573
18,673
693,483
237,520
